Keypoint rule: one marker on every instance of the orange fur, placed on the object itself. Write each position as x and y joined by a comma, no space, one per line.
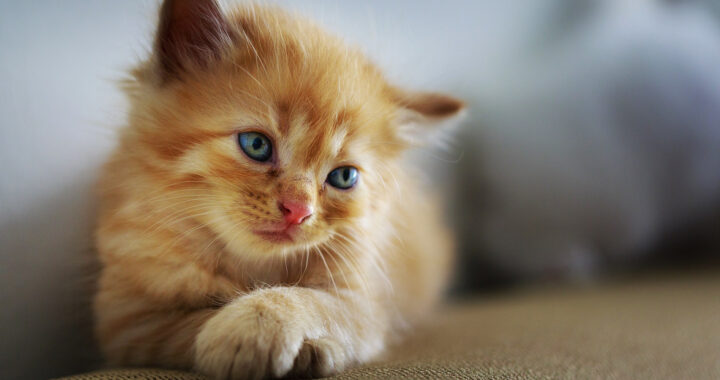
186,282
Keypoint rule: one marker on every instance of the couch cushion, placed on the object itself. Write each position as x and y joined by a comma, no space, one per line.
659,328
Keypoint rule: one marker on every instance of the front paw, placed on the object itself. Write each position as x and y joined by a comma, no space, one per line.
262,336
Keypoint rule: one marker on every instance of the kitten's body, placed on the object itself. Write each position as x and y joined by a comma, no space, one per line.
191,276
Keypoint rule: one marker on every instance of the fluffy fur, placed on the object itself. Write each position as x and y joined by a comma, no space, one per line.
186,280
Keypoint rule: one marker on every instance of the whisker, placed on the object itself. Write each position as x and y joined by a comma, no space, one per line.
327,268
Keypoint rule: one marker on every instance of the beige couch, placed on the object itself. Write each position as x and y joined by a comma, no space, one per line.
660,327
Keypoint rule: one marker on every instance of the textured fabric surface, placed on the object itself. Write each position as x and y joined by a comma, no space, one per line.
665,328
135,374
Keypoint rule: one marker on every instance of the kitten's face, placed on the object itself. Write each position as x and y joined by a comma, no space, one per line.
278,144
278,174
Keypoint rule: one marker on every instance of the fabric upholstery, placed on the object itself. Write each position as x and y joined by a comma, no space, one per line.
658,328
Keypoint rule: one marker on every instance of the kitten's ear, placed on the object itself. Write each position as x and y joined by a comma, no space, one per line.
421,115
190,35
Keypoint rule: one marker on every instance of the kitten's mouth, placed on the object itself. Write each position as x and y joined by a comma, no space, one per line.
278,235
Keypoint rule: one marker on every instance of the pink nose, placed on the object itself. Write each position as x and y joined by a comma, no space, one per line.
295,212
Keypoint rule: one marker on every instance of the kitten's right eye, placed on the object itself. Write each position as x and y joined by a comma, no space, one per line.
255,145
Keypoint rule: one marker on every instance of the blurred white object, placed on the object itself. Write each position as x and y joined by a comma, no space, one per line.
600,133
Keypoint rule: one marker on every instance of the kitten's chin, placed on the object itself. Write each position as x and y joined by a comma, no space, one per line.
281,235
286,240
276,236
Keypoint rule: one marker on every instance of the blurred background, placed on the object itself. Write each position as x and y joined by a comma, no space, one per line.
591,146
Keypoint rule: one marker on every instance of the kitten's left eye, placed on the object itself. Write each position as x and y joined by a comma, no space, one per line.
256,145
343,177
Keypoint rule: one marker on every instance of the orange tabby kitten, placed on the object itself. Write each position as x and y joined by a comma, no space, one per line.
256,218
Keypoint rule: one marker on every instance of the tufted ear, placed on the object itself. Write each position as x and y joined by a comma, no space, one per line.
421,115
190,35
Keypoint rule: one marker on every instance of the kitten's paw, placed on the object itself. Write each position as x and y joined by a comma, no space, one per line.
319,358
256,337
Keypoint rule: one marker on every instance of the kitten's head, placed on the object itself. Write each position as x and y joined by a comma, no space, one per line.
267,130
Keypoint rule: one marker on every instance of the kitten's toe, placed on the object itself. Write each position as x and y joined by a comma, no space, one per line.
303,361
249,363
319,358
213,358
329,357
284,353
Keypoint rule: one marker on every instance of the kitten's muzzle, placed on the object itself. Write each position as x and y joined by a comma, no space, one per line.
295,212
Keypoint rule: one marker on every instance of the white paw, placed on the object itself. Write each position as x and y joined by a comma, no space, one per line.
256,337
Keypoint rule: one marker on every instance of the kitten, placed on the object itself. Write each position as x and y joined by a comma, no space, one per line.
257,219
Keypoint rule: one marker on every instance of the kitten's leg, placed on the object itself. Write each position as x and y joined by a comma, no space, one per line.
138,331
175,320
149,313
290,330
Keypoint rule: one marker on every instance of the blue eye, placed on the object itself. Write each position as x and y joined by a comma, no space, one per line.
256,145
343,177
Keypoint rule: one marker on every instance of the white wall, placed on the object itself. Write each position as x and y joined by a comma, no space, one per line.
58,107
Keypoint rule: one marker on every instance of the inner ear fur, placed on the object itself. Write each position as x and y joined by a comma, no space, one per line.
423,116
428,105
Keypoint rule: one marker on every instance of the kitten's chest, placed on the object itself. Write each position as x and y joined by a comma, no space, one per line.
250,275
